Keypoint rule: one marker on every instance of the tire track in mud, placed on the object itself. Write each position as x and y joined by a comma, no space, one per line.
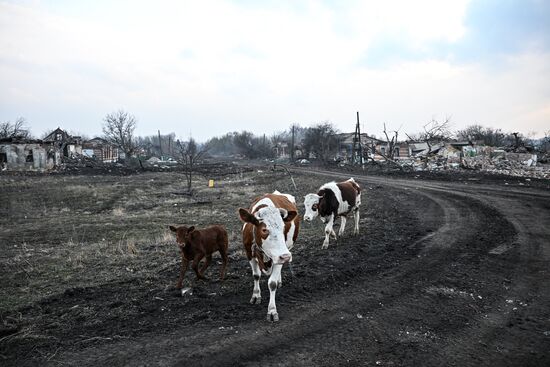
344,332
515,329
459,218
522,313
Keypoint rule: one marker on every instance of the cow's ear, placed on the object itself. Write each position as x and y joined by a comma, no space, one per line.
291,214
173,229
247,217
320,194
190,229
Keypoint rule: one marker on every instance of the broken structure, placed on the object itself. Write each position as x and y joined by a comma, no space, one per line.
100,149
68,145
17,154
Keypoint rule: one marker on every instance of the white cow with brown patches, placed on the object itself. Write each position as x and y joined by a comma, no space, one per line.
332,201
270,229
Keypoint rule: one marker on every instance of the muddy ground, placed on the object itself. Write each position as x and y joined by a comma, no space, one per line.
445,271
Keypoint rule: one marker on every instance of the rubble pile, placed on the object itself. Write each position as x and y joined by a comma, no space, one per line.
505,164
490,161
81,164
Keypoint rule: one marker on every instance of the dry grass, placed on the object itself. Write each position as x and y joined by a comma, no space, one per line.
119,212
87,230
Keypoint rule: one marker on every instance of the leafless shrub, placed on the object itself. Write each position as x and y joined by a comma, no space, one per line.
15,129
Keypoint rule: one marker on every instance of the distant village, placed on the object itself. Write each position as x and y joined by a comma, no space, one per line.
321,144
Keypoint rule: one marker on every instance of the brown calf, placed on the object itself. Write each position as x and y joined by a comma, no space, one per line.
195,244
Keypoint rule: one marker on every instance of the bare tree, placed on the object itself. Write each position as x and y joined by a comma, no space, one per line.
223,145
489,136
189,154
118,129
321,140
15,129
389,152
157,145
434,132
251,146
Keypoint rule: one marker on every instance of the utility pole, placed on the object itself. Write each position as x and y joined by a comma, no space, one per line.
160,146
357,150
292,145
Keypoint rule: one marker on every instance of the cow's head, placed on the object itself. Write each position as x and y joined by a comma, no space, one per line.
183,234
311,204
269,227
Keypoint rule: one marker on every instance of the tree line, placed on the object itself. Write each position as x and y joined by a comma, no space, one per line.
320,139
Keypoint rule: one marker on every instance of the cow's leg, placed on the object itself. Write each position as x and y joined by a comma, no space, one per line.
356,217
195,265
272,314
328,230
205,265
183,269
256,294
342,225
290,236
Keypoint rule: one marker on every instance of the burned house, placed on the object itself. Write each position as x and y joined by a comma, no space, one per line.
19,154
68,145
281,150
346,143
101,150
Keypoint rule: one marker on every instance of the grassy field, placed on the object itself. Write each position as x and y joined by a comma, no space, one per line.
60,231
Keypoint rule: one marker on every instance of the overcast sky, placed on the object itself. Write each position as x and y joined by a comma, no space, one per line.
204,68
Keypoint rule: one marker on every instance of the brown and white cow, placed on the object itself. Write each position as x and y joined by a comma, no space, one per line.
334,200
270,229
195,244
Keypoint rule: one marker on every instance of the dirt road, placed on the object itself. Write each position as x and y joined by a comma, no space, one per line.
443,273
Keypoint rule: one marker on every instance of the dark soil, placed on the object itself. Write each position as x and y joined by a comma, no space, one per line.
444,272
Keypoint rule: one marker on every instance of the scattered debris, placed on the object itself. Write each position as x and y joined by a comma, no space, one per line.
188,291
449,292
454,156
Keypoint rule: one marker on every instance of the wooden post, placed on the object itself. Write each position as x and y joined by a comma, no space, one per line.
292,145
360,144
160,145
357,150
